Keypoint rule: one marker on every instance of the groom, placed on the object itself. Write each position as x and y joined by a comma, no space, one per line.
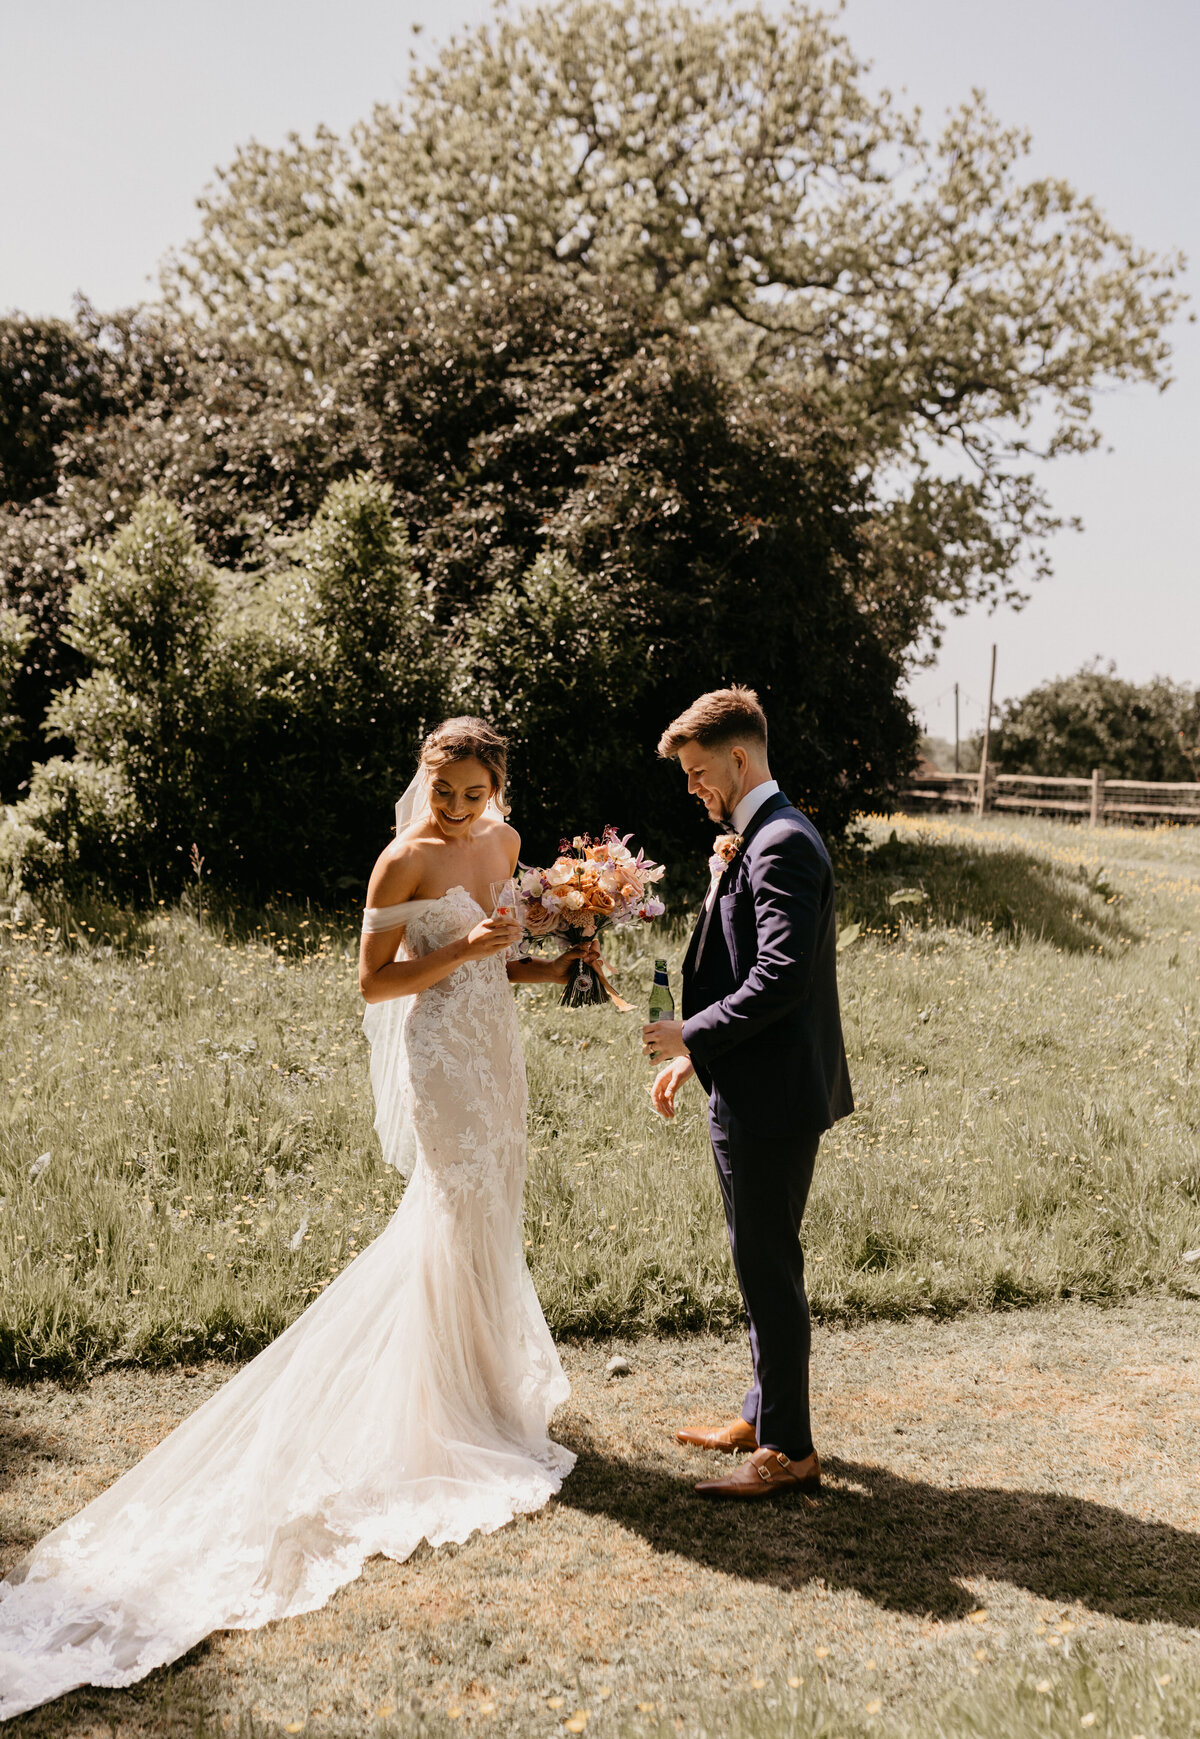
763,1032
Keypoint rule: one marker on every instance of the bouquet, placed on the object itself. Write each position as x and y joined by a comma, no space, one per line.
590,885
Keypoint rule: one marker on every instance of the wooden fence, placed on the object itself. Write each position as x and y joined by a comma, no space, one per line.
1096,799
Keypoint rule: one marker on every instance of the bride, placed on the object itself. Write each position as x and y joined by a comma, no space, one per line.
411,1400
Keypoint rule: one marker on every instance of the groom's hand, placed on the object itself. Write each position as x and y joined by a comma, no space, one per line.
662,1039
667,1083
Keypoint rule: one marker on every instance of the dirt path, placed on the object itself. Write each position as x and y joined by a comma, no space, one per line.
1041,1467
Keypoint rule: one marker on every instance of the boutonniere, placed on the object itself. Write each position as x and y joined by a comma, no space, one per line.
725,850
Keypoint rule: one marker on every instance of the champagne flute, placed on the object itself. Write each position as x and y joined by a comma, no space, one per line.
504,898
506,905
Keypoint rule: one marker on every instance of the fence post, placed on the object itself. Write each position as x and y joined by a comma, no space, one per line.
1097,815
981,793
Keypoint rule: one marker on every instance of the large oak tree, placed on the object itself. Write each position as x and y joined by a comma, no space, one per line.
734,165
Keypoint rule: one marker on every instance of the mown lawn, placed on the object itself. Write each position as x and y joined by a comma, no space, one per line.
1007,1543
187,1156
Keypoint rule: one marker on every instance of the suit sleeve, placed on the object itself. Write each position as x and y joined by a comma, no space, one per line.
787,882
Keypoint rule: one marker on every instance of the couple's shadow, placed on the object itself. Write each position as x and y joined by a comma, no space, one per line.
906,1544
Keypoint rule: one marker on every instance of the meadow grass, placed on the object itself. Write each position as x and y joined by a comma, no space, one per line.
187,1155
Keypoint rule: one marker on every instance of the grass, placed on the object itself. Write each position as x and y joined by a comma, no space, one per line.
1023,1029
1010,1503
1143,1698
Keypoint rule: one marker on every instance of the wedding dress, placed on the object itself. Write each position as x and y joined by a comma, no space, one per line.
410,1402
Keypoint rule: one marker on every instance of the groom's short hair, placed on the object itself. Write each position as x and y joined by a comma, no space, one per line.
726,715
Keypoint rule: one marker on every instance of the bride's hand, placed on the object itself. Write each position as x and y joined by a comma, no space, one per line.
558,970
493,936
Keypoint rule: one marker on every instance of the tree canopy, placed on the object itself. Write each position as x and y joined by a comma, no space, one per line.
955,315
640,347
546,506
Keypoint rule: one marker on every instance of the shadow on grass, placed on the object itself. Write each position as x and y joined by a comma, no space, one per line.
905,1544
1003,889
18,1447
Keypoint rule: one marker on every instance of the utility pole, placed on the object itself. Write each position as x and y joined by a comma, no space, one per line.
956,727
981,794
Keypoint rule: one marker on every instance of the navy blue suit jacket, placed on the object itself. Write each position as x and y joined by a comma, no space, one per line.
760,1000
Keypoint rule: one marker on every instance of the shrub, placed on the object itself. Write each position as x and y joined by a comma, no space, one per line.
1067,727
143,617
263,721
16,631
80,829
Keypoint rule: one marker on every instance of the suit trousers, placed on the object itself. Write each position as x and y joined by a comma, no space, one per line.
764,1185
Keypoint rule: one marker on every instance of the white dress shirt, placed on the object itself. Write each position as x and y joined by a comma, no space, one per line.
744,812
751,803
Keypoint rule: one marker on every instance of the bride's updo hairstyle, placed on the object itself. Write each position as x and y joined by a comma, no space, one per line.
458,740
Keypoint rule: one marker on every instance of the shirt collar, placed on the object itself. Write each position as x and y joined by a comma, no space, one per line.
751,803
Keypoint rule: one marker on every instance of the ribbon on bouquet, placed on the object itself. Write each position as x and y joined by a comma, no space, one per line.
616,1000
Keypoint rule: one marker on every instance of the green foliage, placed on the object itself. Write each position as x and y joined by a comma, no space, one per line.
142,607
209,424
52,381
732,167
1067,727
236,718
16,631
143,617
550,661
722,531
524,435
79,828
55,382
362,680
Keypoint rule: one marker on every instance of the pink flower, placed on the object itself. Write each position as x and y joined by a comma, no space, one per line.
539,919
593,883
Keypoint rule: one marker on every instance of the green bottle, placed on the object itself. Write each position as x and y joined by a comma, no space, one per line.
662,1003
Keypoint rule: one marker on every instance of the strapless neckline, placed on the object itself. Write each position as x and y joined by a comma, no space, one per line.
457,888
379,918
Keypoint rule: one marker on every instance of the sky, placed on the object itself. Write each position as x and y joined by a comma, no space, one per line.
114,116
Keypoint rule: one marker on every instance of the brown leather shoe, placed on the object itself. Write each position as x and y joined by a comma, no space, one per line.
767,1473
737,1434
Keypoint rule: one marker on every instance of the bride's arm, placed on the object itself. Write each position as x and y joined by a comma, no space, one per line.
551,971
535,972
381,977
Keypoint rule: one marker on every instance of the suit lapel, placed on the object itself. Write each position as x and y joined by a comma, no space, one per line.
762,814
693,947
774,803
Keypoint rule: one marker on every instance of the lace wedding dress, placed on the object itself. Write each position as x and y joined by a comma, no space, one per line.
410,1402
